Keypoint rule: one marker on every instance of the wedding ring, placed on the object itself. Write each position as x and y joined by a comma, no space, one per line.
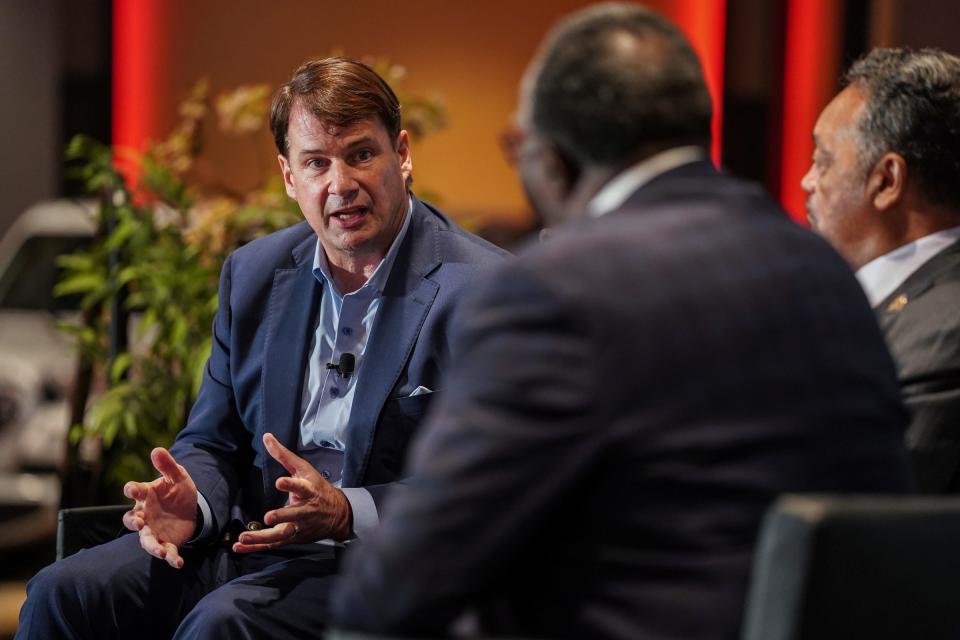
296,530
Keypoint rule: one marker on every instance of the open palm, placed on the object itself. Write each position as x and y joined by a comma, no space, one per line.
165,510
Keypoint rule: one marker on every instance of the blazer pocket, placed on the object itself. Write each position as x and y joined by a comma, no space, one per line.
401,418
414,407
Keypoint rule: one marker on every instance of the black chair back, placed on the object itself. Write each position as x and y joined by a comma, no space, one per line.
848,567
85,527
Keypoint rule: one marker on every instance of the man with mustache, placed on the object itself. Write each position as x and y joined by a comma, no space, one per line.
884,189
636,390
329,339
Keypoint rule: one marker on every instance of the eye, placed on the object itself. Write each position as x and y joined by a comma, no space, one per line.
317,163
364,154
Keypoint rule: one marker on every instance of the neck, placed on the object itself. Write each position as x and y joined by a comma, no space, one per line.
594,178
916,219
351,276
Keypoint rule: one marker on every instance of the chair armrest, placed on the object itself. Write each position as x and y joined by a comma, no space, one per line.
85,527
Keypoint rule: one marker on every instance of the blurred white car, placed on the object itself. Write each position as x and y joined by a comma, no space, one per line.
37,364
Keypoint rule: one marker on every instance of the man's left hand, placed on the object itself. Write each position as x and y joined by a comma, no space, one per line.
315,509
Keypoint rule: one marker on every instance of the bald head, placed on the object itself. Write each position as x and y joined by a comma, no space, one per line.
614,79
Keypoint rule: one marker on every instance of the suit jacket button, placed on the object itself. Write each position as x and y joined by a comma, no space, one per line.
253,525
326,474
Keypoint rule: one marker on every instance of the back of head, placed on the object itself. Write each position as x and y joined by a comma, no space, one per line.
913,109
615,79
337,91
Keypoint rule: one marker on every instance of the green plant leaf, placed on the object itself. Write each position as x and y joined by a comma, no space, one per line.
120,366
80,283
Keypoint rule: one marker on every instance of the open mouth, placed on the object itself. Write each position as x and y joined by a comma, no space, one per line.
349,217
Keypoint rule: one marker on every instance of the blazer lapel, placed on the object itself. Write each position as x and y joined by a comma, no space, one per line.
406,300
291,319
915,285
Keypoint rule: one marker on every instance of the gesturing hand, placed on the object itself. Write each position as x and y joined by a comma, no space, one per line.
315,509
165,509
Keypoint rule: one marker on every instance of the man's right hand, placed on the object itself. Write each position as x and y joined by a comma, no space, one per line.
165,509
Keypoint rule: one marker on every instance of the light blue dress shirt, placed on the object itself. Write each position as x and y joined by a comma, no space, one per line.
345,326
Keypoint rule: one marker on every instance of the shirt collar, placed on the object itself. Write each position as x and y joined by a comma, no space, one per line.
615,193
881,276
378,279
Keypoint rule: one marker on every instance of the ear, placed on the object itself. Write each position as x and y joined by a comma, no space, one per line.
403,152
887,182
287,176
560,172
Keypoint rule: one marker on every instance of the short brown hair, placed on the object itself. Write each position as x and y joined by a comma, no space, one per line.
338,91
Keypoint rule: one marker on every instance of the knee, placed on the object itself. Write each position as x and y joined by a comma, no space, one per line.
53,608
55,583
215,616
84,595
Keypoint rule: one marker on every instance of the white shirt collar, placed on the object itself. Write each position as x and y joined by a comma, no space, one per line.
615,193
881,276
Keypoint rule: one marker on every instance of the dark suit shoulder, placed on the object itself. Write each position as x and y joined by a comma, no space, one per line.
732,241
457,245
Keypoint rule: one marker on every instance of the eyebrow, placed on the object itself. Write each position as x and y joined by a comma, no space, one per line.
351,145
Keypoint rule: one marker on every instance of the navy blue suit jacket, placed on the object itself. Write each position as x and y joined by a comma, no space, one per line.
629,398
252,384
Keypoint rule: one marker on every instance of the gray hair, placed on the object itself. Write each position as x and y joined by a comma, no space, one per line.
912,109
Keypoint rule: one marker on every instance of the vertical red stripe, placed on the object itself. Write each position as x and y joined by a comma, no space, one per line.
136,35
704,22
811,65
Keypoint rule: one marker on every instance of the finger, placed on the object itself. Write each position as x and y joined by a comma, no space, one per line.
150,544
279,534
251,548
136,490
167,466
292,513
133,520
290,461
299,487
173,555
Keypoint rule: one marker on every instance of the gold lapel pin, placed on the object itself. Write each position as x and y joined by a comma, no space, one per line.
898,303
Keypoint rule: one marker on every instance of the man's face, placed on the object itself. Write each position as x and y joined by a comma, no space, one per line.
837,203
533,168
350,183
535,160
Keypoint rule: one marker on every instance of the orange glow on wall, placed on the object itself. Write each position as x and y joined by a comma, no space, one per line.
138,26
472,56
810,69
704,23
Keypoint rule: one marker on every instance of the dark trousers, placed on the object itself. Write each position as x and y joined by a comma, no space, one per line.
116,590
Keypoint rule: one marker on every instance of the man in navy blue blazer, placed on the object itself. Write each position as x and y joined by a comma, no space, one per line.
329,339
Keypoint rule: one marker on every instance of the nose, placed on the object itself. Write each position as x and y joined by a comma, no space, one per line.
342,182
808,181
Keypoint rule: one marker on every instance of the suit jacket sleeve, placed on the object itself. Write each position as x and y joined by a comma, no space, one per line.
510,435
210,444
